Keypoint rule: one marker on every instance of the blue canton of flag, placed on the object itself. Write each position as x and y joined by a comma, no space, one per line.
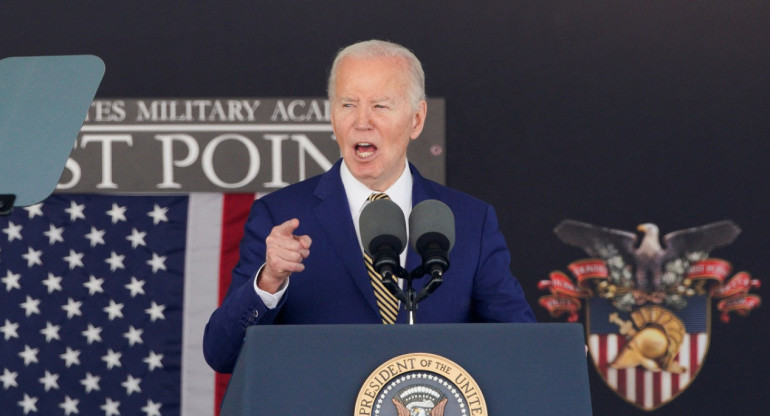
91,296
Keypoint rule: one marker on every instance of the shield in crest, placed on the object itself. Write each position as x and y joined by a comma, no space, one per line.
652,354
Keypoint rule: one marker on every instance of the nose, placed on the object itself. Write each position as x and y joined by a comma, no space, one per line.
363,119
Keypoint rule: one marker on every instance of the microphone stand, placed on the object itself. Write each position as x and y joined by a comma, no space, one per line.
409,297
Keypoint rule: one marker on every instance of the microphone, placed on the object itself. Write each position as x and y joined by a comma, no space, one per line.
432,235
383,234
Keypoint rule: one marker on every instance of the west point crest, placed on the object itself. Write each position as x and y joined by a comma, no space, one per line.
648,306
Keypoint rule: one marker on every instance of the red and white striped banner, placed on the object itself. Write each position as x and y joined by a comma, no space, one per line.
215,228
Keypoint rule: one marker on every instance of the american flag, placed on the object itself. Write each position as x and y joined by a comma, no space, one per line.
103,300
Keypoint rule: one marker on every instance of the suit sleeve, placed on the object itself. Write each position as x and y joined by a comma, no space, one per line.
242,307
497,295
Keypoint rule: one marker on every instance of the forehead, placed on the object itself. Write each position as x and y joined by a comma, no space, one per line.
386,76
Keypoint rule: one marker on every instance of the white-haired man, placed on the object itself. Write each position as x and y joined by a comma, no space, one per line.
309,230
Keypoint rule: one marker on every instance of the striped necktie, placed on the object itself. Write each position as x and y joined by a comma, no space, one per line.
386,302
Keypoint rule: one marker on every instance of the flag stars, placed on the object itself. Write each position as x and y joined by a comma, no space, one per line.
33,257
158,214
11,281
29,355
93,334
13,231
112,359
155,311
72,308
131,385
157,263
9,330
115,261
76,211
29,404
135,287
133,335
94,285
9,379
91,382
117,213
53,283
151,408
114,310
50,381
71,357
110,407
70,406
74,241
54,234
34,210
50,331
96,236
74,259
153,361
30,306
137,238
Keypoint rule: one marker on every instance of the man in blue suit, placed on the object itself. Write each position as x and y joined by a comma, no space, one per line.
309,230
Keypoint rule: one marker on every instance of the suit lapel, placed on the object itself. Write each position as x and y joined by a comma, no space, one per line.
333,214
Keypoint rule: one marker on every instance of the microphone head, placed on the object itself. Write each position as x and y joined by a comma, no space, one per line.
431,221
382,222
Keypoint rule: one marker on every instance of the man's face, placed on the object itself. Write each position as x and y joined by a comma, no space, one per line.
373,118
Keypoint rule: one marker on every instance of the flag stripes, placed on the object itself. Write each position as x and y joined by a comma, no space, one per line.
644,388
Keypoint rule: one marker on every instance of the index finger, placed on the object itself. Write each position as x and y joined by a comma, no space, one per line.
288,227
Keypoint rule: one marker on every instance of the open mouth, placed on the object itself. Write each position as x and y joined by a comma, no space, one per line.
365,150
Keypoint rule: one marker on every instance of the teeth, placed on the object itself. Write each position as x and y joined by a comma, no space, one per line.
364,153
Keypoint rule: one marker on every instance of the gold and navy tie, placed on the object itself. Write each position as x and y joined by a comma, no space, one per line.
386,302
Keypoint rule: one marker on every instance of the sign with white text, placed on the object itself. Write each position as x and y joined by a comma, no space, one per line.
218,145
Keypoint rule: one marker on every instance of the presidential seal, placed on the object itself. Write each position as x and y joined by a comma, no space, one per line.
420,384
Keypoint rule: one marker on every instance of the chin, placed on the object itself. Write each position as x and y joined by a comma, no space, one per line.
364,173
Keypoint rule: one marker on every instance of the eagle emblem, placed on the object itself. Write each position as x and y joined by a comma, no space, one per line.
420,400
647,302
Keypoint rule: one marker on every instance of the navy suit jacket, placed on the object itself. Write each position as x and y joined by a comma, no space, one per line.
334,288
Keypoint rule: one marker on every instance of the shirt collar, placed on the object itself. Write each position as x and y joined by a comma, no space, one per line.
357,193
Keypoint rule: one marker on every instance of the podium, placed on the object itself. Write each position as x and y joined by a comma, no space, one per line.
340,370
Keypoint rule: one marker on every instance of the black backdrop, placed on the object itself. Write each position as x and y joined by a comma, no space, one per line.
610,112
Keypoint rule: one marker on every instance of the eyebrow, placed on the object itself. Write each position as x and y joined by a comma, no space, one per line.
374,100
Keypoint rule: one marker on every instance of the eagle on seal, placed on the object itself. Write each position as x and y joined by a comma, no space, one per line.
648,267
419,400
438,410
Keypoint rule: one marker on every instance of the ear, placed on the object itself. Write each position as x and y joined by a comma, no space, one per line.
418,119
